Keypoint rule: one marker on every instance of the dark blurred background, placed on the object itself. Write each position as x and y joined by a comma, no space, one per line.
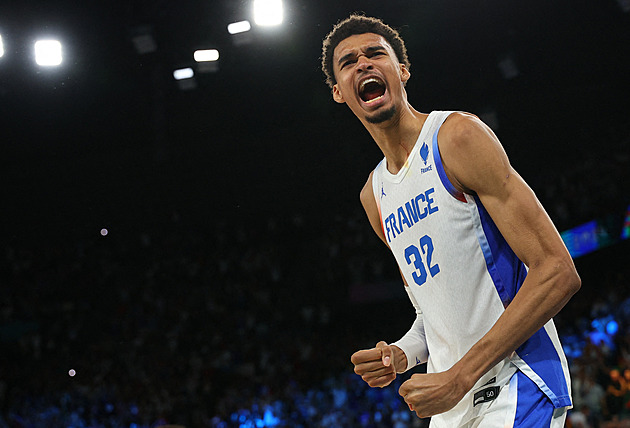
196,251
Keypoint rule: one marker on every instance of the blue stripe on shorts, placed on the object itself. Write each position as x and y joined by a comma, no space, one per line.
533,407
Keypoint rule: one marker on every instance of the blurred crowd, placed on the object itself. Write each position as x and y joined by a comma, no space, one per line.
593,181
252,323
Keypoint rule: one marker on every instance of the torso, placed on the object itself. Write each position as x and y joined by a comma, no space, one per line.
459,268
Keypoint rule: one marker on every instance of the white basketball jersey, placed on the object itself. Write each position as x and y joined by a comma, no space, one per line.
460,271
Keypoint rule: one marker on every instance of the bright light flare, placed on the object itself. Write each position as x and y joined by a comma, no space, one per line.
239,27
206,55
268,12
48,53
183,73
1,47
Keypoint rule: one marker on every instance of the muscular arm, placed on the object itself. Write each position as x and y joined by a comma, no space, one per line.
475,162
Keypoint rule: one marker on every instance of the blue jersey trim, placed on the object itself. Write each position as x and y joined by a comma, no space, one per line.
440,169
508,273
533,408
506,270
539,353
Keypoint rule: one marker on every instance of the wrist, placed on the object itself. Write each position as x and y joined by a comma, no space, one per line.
400,359
466,376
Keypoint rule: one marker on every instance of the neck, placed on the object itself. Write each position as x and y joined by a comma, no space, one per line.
397,137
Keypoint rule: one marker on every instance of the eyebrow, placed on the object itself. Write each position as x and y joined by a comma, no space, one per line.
369,49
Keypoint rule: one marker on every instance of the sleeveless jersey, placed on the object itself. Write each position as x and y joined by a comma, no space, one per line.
461,272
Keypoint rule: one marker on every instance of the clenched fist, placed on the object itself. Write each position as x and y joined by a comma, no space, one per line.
378,366
433,393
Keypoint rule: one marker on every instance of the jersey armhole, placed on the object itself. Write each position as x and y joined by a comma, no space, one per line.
440,168
376,193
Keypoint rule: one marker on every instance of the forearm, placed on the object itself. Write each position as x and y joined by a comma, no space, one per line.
544,292
413,344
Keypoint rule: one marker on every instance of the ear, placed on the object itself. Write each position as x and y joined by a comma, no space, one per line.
337,94
405,74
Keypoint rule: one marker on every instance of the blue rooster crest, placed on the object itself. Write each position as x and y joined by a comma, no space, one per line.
424,152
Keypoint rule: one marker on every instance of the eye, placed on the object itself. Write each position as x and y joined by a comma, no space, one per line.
351,61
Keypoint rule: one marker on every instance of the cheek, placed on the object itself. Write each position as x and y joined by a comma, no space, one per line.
345,90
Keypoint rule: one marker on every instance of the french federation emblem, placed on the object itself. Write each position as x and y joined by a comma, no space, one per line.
424,152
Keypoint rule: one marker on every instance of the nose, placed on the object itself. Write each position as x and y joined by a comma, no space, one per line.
363,63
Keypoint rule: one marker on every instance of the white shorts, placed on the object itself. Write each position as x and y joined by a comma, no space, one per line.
520,404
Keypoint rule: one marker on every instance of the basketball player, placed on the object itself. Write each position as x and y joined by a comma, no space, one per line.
482,262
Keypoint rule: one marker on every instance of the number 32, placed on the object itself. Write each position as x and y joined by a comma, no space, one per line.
412,255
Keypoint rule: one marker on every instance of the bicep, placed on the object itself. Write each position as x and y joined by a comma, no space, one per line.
479,165
522,220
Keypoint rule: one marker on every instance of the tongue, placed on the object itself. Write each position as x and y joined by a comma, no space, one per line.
370,95
372,91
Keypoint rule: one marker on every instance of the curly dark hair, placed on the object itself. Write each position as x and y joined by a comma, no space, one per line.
359,24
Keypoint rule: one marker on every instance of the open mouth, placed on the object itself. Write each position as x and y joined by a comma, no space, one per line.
371,89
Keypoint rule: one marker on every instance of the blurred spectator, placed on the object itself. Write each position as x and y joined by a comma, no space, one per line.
615,393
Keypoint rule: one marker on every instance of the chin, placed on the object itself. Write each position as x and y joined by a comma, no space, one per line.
382,115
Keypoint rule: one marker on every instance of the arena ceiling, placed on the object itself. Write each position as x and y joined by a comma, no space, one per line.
110,135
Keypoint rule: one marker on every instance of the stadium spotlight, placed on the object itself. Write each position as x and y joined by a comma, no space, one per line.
268,12
206,55
239,27
240,32
185,78
183,73
1,47
48,52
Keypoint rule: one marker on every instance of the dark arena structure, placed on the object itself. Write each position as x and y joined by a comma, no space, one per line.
181,237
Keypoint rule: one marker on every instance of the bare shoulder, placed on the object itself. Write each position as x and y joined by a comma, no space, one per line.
463,130
471,152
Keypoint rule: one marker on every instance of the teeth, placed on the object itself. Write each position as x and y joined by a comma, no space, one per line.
373,99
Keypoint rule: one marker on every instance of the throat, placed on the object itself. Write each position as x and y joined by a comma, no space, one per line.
407,151
398,138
